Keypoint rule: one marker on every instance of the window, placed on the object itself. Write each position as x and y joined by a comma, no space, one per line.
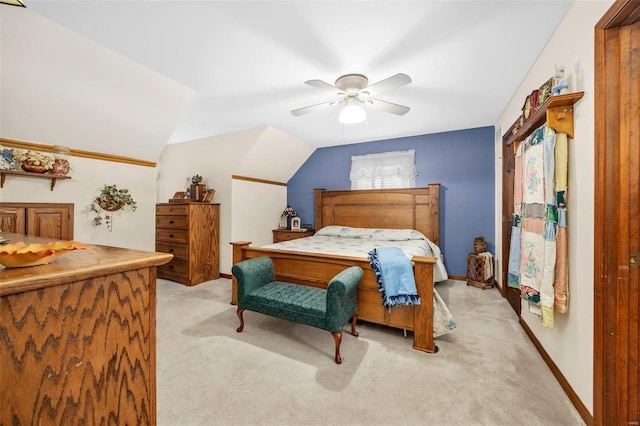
385,170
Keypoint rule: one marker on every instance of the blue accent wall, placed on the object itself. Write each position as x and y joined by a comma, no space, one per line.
461,161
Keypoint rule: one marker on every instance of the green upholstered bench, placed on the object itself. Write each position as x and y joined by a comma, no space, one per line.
328,309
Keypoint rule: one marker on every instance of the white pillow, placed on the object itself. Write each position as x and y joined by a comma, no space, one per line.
371,233
345,232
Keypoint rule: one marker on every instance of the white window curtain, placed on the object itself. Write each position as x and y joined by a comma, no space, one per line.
395,169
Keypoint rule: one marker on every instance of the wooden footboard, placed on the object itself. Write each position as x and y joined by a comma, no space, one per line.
317,269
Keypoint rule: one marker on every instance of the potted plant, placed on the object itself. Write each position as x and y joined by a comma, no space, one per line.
36,162
109,200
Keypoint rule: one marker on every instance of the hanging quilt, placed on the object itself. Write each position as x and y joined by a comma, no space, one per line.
538,254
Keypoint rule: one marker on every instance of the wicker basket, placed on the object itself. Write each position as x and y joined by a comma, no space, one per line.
33,168
109,205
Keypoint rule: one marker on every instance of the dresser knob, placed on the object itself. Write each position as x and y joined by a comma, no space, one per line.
170,235
170,250
171,222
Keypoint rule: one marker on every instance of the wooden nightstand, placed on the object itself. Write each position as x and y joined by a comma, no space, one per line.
280,235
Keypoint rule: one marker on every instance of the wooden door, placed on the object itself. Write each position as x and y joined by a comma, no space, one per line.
50,222
617,217
508,173
12,220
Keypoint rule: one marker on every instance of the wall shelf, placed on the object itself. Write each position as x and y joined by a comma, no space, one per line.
557,112
53,178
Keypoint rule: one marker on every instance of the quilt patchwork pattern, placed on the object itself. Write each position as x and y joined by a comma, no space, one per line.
538,254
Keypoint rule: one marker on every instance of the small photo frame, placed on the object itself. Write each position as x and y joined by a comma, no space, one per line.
295,223
208,195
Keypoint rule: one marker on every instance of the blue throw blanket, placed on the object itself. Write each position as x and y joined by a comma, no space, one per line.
394,273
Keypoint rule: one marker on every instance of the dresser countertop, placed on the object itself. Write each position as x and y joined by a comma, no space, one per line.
74,266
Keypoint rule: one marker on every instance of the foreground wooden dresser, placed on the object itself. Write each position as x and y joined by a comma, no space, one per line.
78,338
190,232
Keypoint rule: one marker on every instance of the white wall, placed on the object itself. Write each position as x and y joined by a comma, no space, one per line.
134,230
570,342
256,208
57,88
262,153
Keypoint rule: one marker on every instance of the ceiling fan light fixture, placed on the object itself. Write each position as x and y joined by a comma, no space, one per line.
354,91
352,114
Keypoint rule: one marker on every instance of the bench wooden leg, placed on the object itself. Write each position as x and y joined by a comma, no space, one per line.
338,338
239,313
354,319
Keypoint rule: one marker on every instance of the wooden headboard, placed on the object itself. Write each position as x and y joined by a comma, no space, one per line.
402,208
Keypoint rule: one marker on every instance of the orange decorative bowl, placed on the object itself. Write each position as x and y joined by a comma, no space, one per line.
18,255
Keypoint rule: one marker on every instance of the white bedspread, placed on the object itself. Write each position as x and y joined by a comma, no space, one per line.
357,242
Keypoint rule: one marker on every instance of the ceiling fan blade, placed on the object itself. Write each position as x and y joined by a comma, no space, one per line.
319,84
392,82
312,108
386,106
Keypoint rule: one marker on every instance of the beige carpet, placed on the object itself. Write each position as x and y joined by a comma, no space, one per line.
276,372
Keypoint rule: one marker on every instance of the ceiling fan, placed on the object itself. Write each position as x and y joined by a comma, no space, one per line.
353,90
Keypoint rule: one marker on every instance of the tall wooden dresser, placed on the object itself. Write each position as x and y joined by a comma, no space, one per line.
190,232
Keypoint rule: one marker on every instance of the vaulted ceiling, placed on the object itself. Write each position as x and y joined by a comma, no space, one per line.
247,61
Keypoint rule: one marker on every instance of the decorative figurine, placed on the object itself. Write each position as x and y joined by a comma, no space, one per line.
479,244
7,159
560,86
285,217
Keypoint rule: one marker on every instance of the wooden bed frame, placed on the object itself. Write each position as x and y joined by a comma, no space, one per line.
408,208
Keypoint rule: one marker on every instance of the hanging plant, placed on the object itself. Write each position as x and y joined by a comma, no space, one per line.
109,200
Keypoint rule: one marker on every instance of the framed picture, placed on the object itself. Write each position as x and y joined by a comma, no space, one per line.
295,223
208,195
514,127
178,195
544,92
534,100
527,108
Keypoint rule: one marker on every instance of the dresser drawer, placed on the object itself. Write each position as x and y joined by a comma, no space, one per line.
172,210
283,235
178,222
175,267
179,251
172,235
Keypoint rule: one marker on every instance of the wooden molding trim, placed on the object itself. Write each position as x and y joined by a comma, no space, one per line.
621,13
250,179
573,397
457,277
77,153
228,276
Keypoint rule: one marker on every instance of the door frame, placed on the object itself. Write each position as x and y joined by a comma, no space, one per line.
614,392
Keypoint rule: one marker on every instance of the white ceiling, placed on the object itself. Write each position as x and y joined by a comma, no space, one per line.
248,61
